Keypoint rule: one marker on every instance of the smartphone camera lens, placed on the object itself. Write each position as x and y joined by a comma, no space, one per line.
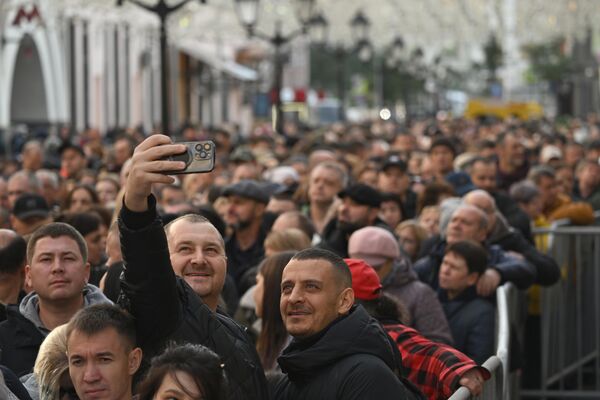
203,154
207,146
198,147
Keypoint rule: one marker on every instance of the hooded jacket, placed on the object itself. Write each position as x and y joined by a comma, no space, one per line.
426,313
353,358
23,331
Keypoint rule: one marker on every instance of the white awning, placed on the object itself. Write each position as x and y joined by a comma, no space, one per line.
208,55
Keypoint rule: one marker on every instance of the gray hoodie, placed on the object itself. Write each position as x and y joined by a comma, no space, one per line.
29,306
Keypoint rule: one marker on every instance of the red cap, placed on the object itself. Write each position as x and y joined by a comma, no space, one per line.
365,281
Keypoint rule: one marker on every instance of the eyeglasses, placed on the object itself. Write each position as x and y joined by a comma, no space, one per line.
68,394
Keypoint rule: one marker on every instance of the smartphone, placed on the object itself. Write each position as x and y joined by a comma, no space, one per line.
199,157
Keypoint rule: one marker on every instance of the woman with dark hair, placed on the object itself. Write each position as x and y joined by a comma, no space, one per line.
185,372
273,337
81,198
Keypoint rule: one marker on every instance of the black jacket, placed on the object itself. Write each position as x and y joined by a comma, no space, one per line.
23,331
167,309
547,270
353,358
20,342
472,322
336,240
516,217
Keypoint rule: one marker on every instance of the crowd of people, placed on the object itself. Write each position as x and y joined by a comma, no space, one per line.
349,262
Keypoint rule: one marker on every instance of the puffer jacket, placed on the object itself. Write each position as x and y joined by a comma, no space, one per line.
425,311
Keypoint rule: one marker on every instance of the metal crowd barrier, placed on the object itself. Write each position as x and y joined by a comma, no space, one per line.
499,385
570,316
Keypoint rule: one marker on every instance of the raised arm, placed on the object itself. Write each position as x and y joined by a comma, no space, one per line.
149,290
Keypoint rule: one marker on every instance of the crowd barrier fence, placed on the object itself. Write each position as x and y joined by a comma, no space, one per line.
570,315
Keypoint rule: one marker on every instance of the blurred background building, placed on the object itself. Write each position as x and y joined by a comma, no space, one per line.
96,64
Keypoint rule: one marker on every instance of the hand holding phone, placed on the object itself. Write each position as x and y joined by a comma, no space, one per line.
149,164
199,157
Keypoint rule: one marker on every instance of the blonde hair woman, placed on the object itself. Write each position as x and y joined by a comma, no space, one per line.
50,379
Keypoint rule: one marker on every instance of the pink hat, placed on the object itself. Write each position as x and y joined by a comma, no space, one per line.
373,245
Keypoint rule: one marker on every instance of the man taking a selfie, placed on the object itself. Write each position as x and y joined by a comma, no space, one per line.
173,276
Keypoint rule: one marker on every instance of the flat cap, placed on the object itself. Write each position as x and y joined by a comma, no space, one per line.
362,194
249,189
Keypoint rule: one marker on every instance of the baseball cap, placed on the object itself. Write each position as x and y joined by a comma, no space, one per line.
30,205
374,245
393,161
362,194
461,182
249,189
365,281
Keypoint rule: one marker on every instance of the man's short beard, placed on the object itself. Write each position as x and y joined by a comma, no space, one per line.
242,225
348,227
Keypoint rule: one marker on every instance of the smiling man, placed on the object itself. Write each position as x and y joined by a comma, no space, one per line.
197,255
58,271
338,351
102,353
173,277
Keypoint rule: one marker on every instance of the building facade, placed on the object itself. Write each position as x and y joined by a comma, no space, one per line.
91,65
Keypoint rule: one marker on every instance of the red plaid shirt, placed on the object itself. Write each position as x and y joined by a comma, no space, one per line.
435,368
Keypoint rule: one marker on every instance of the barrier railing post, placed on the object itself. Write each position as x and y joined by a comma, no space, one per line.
498,386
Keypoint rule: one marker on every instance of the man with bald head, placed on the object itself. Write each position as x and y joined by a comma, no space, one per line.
470,223
511,240
173,277
12,269
19,183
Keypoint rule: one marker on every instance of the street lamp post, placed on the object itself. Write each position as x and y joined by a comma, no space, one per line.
162,10
247,11
360,32
393,59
